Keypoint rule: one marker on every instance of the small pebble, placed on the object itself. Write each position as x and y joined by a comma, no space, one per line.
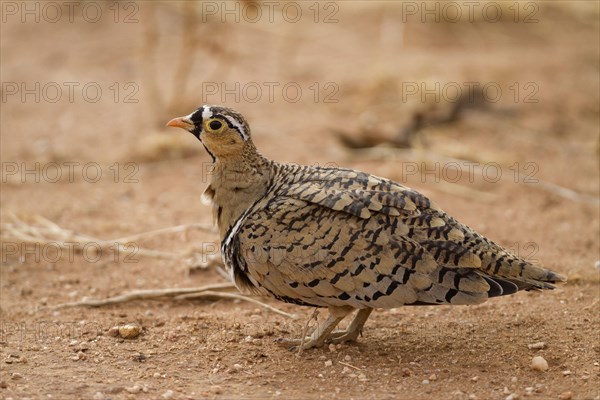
237,367
512,396
566,373
167,394
433,377
362,377
130,331
406,372
472,397
15,376
127,331
133,389
12,358
474,379
425,382
597,265
538,363
328,363
347,358
513,379
98,396
537,346
332,348
565,396
216,389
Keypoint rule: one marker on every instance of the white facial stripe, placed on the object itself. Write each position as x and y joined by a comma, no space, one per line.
239,126
206,113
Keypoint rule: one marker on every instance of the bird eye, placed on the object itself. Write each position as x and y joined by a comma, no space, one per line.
215,125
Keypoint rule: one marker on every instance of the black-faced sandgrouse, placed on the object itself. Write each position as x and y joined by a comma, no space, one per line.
342,239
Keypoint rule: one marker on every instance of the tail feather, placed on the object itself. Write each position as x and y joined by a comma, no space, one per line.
468,286
500,287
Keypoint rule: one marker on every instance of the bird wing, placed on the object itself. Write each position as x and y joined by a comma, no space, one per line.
342,237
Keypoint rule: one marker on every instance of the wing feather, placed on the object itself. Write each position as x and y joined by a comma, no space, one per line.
341,237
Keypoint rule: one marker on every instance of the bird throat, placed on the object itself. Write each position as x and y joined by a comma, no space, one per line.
235,184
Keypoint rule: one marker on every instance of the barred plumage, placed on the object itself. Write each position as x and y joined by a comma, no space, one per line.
343,239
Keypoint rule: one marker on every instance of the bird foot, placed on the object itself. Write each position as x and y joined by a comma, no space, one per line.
324,331
344,336
294,344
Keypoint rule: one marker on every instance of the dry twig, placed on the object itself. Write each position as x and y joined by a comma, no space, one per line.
45,232
314,316
147,294
235,296
213,290
349,365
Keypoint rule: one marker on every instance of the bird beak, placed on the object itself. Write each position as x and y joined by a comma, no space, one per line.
181,122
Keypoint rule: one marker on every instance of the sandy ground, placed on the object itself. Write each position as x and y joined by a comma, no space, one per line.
97,160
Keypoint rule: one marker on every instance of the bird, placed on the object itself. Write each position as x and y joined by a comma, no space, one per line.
341,238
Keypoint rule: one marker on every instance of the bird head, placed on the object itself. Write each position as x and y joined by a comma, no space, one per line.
223,131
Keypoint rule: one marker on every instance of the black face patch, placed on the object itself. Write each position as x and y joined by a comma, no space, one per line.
196,117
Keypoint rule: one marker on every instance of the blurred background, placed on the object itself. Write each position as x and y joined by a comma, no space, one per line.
489,108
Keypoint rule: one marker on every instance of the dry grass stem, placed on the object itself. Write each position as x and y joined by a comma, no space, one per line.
43,231
212,291
146,294
314,316
235,296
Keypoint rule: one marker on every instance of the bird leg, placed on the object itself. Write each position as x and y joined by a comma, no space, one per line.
323,330
355,328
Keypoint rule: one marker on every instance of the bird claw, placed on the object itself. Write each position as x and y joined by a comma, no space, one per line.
344,336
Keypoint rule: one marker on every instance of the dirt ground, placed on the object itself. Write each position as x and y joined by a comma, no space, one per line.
97,160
